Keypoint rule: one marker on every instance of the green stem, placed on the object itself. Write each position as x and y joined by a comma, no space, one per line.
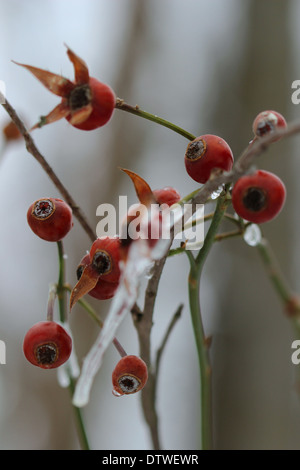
202,343
221,207
80,424
60,282
290,301
152,117
61,303
275,275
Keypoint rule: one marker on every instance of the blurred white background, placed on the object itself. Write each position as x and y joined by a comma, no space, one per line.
209,66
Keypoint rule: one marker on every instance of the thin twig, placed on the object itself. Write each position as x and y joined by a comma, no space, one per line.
120,104
161,349
33,150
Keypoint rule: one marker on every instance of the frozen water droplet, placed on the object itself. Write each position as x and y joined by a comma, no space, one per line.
63,377
216,193
116,394
252,235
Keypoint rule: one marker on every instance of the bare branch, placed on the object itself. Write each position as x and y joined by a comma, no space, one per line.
33,150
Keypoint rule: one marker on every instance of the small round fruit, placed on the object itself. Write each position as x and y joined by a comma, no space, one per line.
167,195
47,345
105,258
206,153
258,197
267,122
100,96
50,219
103,290
129,376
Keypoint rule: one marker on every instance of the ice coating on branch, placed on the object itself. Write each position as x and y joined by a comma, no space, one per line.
216,194
69,368
140,258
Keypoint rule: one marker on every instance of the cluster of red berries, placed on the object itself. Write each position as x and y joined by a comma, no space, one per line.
257,197
88,104
47,344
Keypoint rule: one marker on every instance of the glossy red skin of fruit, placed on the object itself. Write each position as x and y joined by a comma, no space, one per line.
47,332
55,226
206,153
267,122
103,290
109,246
167,195
103,103
131,366
274,193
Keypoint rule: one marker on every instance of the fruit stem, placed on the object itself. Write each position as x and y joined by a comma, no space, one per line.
202,343
120,104
51,300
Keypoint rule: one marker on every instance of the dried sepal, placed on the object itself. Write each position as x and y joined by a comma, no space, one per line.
80,115
57,84
81,70
142,188
60,111
85,284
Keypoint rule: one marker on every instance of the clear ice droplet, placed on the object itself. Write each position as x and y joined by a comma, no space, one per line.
216,193
252,235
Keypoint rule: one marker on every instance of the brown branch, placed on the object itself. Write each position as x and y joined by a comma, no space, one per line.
161,349
33,150
143,323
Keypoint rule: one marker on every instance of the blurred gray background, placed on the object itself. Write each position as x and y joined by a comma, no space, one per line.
209,66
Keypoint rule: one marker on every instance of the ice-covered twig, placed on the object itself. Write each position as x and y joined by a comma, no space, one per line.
140,257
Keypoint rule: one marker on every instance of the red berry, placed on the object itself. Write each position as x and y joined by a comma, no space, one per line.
129,376
258,197
50,219
267,122
102,265
105,258
47,345
206,153
167,196
102,99
86,102
103,289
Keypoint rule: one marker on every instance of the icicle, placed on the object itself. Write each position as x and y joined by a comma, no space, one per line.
71,367
140,258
